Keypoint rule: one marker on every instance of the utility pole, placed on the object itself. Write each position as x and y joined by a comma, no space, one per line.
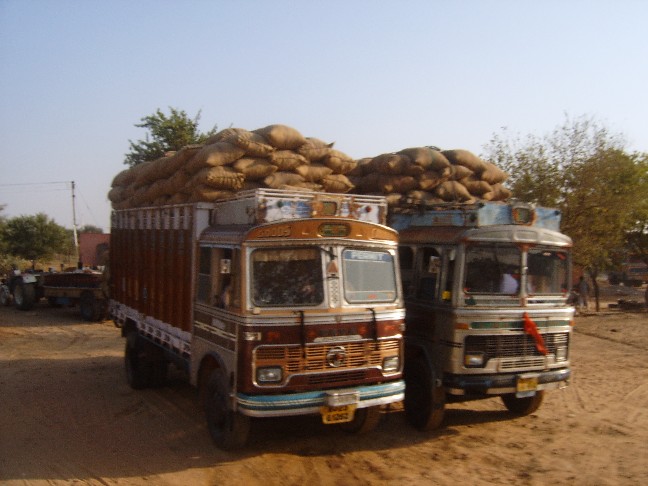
74,230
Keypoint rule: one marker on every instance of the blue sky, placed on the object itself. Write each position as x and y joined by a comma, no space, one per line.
373,76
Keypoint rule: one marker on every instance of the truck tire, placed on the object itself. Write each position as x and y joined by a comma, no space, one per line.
5,296
24,295
424,400
523,406
364,421
90,307
145,367
228,429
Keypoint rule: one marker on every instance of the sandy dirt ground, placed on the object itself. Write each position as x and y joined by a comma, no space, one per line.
67,416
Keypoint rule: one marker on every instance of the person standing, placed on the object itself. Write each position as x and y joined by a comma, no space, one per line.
583,293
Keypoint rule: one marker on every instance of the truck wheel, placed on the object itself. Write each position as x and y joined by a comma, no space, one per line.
523,406
424,401
144,363
365,420
228,429
5,296
24,296
91,308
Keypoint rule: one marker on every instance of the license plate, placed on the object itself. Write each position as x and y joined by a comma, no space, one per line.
527,384
338,415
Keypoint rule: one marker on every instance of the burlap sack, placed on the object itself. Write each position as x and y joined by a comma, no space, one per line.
254,169
422,197
214,155
453,191
431,179
278,179
414,170
501,193
179,198
466,159
302,186
155,191
224,178
476,187
313,172
287,160
225,134
116,194
426,157
282,137
338,162
386,184
123,178
253,144
338,183
359,169
389,164
206,193
314,149
176,183
458,172
493,174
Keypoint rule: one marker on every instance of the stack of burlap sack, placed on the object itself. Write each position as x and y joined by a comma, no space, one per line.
234,159
280,157
429,175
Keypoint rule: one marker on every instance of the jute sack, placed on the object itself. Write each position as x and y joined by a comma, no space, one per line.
313,172
178,198
138,171
302,186
278,179
359,168
476,187
224,178
336,183
282,137
176,182
287,160
254,169
179,160
453,191
423,197
116,194
493,174
413,170
123,178
253,144
155,191
338,161
426,157
314,149
501,193
225,134
386,184
431,179
389,164
206,193
458,172
466,159
214,155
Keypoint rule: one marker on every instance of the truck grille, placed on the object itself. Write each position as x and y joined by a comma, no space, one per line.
361,354
517,350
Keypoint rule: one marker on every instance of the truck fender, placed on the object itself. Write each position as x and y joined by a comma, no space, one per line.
210,362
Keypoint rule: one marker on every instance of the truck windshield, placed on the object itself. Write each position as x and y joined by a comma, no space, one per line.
369,276
287,276
492,269
547,271
496,269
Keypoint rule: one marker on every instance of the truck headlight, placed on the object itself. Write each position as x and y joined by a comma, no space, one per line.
474,360
273,374
391,363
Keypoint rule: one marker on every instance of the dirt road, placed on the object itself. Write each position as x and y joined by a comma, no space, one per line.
67,416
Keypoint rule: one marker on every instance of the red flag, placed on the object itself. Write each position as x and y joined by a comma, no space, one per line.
531,329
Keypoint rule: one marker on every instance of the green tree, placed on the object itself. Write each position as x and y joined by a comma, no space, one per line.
165,133
582,169
34,237
88,228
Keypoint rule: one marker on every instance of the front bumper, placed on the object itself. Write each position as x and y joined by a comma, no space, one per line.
310,402
498,384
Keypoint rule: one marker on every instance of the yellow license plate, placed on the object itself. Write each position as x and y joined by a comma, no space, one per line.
338,415
527,384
